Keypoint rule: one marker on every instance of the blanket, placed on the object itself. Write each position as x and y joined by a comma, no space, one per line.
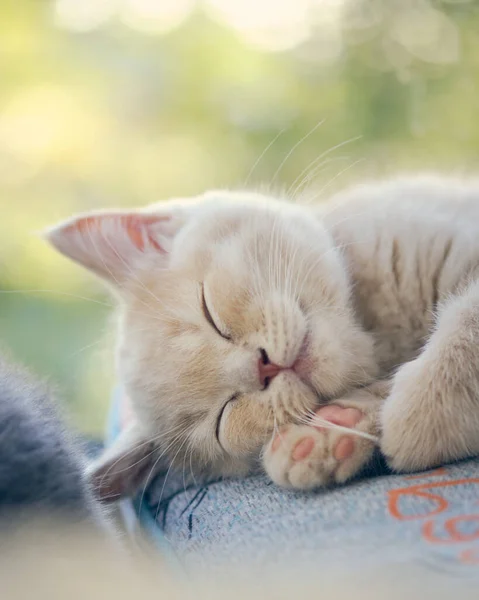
429,519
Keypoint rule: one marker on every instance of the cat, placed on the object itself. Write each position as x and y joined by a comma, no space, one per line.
256,332
42,467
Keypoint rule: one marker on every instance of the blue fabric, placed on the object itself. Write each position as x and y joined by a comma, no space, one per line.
430,519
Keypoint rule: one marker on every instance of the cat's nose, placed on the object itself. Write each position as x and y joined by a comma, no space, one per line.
267,370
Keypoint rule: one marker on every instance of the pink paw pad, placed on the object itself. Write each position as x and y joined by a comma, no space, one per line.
344,448
303,449
345,417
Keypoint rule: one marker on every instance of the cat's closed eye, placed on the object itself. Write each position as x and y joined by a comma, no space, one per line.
208,316
220,415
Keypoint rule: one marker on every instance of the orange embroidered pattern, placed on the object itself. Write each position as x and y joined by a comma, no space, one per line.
434,531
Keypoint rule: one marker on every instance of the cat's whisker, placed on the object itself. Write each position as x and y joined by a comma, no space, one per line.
262,155
157,461
295,146
28,292
314,173
310,186
135,449
311,418
305,171
111,467
192,449
167,473
347,430
292,411
184,466
318,193
87,347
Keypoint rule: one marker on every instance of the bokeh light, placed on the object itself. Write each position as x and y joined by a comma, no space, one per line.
108,103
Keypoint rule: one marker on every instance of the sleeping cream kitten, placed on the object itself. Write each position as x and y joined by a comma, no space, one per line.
255,331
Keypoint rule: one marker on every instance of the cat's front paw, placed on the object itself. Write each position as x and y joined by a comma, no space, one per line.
415,433
312,456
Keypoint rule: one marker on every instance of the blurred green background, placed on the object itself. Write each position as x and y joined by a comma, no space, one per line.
124,102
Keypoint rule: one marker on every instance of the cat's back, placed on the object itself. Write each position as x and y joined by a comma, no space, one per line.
428,203
407,243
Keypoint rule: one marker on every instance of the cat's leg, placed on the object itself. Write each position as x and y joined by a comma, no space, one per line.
311,456
432,413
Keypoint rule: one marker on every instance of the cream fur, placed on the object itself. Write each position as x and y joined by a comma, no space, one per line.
379,284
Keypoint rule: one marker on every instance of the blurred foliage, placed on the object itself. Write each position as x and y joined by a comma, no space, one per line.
124,102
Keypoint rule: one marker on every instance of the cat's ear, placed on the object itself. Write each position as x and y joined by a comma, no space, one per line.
111,244
125,467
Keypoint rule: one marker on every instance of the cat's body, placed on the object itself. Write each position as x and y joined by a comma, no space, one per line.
408,244
42,466
241,314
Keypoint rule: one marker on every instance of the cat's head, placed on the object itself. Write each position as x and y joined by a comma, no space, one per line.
235,318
